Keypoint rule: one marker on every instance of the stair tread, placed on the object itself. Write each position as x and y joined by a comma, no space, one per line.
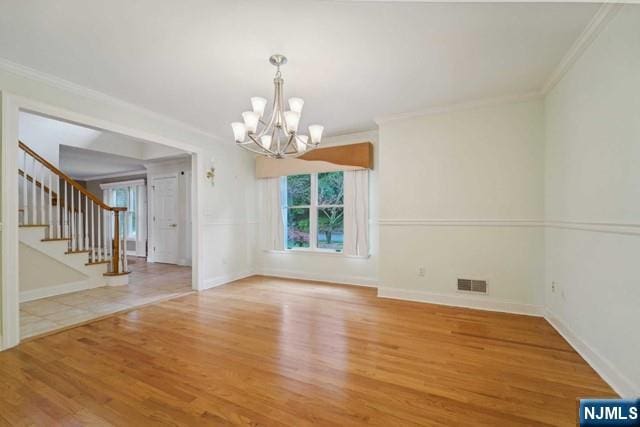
33,225
97,262
77,252
59,239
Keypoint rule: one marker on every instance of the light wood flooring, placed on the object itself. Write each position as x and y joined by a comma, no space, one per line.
275,352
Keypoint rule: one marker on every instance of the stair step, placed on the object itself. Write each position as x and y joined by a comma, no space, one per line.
33,225
97,262
117,274
78,252
58,239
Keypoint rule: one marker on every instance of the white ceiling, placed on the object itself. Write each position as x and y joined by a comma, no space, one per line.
199,61
82,164
85,153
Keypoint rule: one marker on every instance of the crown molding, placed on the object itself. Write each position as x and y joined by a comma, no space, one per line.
470,105
68,86
584,40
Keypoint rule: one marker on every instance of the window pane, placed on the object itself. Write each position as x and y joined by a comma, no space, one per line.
330,188
298,190
297,228
121,198
331,228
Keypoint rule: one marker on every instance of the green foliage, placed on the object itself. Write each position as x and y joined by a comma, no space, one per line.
298,190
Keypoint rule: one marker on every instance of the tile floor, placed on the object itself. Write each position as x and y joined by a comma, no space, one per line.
147,283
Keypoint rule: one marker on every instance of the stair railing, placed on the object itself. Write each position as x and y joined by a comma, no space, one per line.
49,197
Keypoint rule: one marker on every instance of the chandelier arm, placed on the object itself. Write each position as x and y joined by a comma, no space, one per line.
260,146
308,144
291,138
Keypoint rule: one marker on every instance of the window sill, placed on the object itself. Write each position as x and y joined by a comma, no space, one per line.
316,252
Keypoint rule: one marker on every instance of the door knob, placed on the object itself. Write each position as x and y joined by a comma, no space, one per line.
173,225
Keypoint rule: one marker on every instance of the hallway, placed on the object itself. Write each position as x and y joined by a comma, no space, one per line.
148,283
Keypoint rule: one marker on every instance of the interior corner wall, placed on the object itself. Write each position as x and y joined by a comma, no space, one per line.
331,267
462,197
593,202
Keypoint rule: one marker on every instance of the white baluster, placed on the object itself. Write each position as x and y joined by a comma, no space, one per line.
99,231
86,222
93,233
59,211
25,194
124,243
33,192
42,218
50,208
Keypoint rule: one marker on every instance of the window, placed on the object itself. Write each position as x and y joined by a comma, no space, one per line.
314,211
126,197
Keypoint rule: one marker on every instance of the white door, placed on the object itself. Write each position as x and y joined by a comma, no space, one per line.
165,219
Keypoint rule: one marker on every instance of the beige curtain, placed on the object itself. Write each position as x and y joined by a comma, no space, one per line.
356,213
272,214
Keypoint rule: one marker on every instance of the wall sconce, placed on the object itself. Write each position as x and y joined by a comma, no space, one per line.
211,172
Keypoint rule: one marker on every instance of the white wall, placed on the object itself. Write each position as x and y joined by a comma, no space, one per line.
331,267
462,197
593,197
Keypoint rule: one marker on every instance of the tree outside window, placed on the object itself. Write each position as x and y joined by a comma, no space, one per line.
314,211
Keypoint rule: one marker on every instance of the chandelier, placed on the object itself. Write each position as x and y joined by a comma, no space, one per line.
278,135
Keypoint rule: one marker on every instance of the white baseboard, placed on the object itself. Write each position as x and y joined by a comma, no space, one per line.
481,303
329,278
618,382
51,291
224,279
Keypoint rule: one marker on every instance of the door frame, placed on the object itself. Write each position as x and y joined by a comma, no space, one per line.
12,105
151,212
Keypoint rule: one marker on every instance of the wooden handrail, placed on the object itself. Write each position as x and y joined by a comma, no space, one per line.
68,179
38,183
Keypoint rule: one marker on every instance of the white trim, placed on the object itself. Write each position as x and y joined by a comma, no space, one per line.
67,86
463,222
10,239
223,279
627,228
62,289
320,252
607,370
315,277
465,301
113,175
469,105
584,40
135,182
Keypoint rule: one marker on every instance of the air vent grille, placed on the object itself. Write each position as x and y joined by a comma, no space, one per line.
468,285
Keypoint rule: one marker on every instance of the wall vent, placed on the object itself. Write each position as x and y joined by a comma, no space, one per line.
467,285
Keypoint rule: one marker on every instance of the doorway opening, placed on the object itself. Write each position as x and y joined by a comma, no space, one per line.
104,223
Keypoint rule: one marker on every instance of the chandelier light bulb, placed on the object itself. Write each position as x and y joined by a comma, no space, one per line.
239,131
301,143
251,121
315,131
266,141
258,104
292,119
295,104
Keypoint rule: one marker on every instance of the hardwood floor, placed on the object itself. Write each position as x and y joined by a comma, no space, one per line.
265,351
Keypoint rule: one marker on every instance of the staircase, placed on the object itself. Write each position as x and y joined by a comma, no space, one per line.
62,220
